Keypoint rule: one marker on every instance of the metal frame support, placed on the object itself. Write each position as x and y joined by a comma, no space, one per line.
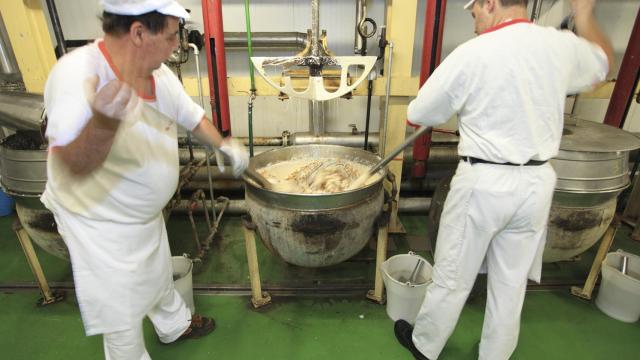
382,244
628,80
30,40
377,294
605,244
259,298
401,23
48,296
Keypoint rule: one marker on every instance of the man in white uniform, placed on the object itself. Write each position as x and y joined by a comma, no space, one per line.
508,86
113,166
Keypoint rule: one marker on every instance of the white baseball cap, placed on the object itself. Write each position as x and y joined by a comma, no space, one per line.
469,4
139,7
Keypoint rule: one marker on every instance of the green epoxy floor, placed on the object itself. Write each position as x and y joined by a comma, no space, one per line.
555,325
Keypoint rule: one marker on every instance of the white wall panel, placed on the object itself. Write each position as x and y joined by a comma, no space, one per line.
79,20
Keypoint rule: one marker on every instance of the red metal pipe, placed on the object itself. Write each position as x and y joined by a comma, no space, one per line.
627,81
431,52
216,64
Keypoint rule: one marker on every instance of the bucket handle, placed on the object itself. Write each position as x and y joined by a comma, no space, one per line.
191,261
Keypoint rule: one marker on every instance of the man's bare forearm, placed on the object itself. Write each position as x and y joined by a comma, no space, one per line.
90,149
588,28
207,134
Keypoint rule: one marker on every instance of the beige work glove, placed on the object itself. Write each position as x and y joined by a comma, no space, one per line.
238,154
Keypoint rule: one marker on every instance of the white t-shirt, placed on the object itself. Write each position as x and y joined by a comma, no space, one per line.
508,87
140,173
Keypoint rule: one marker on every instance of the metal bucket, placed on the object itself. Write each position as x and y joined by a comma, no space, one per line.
315,230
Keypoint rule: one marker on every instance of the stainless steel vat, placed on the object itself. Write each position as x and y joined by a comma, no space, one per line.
593,168
23,171
315,230
23,164
21,110
41,227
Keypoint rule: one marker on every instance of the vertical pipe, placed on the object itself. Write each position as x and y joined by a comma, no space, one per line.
535,10
8,64
57,28
383,140
315,27
252,90
216,64
360,15
628,80
431,52
221,66
209,46
316,117
196,53
247,16
368,118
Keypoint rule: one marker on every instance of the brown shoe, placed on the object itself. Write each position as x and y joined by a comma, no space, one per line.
200,326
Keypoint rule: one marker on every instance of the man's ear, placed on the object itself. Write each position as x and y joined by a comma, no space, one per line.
136,32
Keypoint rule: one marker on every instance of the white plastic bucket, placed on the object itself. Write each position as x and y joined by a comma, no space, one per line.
183,280
404,299
619,295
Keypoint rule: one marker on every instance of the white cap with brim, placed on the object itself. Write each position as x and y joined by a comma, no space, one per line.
469,4
139,7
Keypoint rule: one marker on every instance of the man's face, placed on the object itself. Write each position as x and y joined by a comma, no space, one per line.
158,47
481,16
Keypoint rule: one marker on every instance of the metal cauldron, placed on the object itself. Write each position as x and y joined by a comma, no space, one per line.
593,168
315,230
23,175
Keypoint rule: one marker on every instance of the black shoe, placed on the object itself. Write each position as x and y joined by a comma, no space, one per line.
403,331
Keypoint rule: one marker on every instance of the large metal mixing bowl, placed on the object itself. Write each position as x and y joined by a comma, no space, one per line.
23,175
315,230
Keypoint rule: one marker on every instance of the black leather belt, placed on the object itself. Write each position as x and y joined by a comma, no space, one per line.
472,160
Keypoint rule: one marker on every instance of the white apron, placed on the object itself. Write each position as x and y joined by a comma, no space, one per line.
111,219
120,270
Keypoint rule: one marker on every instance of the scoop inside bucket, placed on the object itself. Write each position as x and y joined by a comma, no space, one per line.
406,278
182,278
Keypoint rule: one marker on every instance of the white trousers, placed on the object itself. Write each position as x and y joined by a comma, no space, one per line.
170,317
495,214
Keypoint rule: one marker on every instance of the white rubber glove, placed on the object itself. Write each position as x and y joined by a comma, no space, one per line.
237,153
219,160
115,100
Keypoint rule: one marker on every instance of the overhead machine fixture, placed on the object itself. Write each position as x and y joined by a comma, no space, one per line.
316,57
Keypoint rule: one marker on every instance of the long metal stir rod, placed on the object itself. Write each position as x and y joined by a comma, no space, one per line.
387,159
